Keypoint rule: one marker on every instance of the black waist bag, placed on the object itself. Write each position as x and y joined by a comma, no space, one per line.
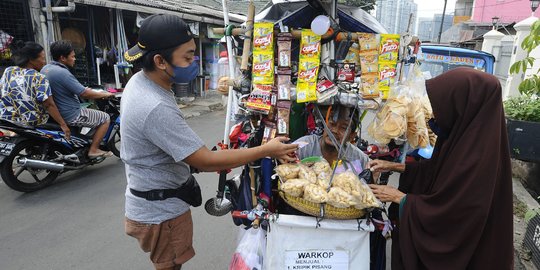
189,192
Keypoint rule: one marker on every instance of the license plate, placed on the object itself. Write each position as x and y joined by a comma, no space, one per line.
6,148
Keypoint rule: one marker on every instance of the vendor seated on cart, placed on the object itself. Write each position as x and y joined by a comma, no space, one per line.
337,119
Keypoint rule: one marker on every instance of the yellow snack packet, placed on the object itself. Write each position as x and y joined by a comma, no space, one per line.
308,70
263,37
387,74
263,68
389,48
310,45
306,92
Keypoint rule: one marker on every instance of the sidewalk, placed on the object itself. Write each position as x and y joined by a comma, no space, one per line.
523,202
201,105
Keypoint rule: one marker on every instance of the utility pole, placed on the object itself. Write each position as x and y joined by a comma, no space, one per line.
442,22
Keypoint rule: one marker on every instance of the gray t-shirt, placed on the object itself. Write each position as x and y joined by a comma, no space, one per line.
312,147
155,141
65,89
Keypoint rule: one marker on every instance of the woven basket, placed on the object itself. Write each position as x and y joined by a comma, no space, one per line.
314,209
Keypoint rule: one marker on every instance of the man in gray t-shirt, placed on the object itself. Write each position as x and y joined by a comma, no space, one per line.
158,146
67,90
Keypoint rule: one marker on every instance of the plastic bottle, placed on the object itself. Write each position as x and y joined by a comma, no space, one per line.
223,64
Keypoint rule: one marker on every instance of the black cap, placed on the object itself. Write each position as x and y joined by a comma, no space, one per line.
158,32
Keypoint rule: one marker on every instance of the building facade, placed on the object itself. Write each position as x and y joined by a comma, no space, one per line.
425,29
394,14
428,28
463,11
508,11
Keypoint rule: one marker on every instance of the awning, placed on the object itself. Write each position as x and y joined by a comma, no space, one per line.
299,14
184,10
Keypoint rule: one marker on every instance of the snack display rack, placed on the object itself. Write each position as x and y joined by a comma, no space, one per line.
282,67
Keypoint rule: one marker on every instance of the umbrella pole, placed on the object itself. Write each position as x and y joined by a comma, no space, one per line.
228,39
332,42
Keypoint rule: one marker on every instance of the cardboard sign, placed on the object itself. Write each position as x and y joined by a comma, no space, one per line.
317,259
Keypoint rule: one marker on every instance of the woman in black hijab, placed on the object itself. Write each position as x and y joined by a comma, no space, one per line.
454,211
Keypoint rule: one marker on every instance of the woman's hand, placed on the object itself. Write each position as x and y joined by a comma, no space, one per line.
387,193
378,165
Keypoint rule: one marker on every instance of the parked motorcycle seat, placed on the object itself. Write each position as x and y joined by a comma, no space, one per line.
50,126
7,123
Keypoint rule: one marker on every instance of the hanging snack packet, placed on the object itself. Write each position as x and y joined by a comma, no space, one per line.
353,55
310,45
370,86
368,41
260,99
369,63
269,132
326,89
263,68
308,70
263,37
284,84
284,49
274,97
284,112
389,49
345,72
306,92
387,75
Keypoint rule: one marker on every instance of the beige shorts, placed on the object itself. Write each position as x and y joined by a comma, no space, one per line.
169,243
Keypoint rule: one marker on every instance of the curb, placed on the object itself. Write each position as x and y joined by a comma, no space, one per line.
201,107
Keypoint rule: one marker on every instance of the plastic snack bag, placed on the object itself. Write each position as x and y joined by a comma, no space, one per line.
263,37
306,92
310,45
249,253
389,49
284,49
263,68
260,99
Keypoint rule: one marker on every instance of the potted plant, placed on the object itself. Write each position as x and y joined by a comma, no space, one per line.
523,111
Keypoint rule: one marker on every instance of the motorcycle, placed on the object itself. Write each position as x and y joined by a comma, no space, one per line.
32,158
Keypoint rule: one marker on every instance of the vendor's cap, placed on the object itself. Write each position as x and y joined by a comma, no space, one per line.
159,32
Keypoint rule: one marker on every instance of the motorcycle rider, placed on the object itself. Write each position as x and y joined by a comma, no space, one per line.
25,94
67,90
158,145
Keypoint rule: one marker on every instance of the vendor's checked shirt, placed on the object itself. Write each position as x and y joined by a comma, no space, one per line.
22,92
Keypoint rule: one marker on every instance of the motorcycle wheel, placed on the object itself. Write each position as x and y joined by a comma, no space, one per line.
114,143
26,179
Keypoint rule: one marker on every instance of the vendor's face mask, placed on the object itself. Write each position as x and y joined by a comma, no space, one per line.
185,74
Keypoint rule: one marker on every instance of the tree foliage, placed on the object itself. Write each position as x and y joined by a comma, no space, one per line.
530,85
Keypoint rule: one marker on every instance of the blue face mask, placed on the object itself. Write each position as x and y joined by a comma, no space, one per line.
184,74
436,129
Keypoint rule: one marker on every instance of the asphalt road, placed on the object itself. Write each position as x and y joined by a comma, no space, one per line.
77,223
